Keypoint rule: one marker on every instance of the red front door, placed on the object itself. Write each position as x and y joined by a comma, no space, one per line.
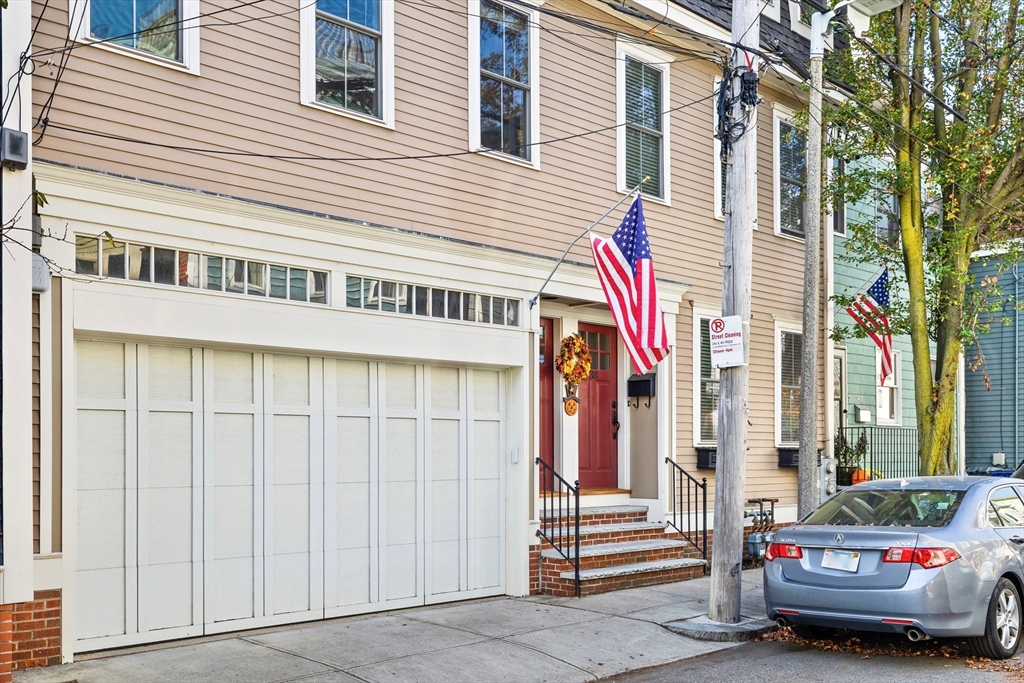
547,394
598,416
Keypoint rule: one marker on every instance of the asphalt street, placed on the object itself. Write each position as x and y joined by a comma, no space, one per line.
771,662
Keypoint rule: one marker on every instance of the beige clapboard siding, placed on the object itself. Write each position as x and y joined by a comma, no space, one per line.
247,98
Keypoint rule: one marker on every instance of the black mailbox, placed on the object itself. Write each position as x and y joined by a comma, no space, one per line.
640,385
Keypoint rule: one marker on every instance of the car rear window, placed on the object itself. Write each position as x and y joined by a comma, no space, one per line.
888,507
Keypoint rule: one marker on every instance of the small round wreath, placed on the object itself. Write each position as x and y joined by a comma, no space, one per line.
574,361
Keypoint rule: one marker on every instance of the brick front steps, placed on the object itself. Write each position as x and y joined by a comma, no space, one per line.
619,549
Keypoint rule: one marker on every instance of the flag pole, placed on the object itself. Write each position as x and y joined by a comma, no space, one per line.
536,298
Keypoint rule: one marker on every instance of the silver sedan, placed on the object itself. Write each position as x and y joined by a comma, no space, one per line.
927,556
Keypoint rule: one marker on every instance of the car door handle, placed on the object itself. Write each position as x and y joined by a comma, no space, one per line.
1017,539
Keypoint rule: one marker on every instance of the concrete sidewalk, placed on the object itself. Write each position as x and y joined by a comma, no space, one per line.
503,639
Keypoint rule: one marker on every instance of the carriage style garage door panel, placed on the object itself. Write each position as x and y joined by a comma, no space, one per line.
221,490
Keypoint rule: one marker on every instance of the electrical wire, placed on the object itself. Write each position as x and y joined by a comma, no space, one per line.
410,157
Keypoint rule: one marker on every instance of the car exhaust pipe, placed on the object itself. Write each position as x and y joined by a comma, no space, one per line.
781,622
916,634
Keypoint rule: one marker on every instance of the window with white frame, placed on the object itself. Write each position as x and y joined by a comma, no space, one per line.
790,177
790,346
348,47
888,408
839,200
504,96
371,294
163,31
347,57
643,133
707,387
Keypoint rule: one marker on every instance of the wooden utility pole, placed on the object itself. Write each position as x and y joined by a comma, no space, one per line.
734,384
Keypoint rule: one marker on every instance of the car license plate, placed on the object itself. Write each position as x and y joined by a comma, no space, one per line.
843,560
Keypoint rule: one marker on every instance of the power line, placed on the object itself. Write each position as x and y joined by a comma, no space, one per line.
410,157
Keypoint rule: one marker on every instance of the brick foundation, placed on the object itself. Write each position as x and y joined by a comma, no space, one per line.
35,635
544,572
6,643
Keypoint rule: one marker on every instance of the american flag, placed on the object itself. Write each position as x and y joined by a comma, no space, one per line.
867,311
626,272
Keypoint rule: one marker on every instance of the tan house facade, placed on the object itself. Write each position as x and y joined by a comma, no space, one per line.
290,369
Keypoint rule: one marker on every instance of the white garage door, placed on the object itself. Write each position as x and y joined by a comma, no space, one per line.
221,490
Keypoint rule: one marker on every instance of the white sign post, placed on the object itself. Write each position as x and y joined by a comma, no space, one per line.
726,341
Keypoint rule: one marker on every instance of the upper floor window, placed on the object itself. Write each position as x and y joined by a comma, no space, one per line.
347,55
348,46
161,31
790,178
148,25
839,200
643,130
504,80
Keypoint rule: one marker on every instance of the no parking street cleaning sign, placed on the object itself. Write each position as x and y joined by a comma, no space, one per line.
726,341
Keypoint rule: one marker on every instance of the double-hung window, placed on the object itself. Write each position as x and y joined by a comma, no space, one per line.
643,87
165,31
506,80
504,98
347,58
790,178
707,387
889,410
790,346
348,55
151,26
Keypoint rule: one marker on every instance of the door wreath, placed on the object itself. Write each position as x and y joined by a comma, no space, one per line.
574,364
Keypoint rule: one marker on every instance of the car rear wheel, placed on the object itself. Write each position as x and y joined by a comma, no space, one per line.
1002,627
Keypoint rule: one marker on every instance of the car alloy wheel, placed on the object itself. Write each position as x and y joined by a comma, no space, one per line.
1007,619
1002,623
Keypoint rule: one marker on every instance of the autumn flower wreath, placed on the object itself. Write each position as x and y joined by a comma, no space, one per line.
574,362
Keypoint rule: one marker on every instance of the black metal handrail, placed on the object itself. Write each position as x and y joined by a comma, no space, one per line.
685,488
882,452
554,518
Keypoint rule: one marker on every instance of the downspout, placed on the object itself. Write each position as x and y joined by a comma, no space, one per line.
1016,370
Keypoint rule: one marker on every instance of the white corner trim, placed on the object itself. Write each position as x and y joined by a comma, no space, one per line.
80,32
662,62
307,66
781,325
473,84
797,26
700,312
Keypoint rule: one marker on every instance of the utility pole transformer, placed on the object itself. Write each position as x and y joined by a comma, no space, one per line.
734,383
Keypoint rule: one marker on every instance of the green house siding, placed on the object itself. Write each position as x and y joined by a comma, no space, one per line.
994,413
861,376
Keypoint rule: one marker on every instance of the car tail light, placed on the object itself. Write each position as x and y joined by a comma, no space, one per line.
929,558
786,551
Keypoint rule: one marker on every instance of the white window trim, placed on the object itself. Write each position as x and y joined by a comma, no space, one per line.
717,152
797,26
772,10
700,312
897,378
657,60
473,89
307,62
779,114
794,327
79,30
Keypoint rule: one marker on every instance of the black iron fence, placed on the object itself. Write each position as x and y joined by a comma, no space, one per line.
688,507
876,453
560,516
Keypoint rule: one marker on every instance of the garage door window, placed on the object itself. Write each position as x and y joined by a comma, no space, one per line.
395,297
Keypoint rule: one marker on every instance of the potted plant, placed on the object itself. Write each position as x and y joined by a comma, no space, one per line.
849,457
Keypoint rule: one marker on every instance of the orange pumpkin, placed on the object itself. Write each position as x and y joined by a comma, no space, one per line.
861,475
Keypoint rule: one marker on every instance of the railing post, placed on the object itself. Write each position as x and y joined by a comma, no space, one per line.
704,523
577,538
